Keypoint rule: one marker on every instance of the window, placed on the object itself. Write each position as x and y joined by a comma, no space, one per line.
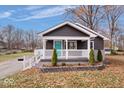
92,44
72,44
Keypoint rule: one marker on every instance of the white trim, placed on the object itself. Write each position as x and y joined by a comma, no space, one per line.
71,24
88,47
66,48
93,43
44,48
65,37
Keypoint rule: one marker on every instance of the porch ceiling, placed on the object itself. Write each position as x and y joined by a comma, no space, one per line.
65,38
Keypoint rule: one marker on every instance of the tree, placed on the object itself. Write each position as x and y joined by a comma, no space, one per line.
30,40
99,56
9,30
89,15
54,58
18,39
91,59
113,14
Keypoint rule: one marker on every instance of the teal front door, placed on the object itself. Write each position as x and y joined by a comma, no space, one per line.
58,47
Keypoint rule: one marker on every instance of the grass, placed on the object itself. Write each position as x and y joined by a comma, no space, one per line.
8,57
112,76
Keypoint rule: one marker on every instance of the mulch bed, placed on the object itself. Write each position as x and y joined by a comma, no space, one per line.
48,68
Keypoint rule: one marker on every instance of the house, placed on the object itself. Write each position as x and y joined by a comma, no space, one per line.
71,40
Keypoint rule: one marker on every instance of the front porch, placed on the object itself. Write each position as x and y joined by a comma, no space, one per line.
67,54
66,47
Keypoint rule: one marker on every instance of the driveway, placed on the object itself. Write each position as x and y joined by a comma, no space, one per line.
9,68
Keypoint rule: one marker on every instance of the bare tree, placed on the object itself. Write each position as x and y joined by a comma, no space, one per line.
113,14
9,30
18,39
30,40
89,15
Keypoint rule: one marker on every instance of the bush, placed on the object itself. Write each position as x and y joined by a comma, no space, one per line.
14,52
8,53
63,64
91,58
26,50
99,56
79,64
113,52
54,58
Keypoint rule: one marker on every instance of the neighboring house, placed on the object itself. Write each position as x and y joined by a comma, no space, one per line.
72,41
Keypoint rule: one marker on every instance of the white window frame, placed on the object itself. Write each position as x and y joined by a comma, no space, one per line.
92,42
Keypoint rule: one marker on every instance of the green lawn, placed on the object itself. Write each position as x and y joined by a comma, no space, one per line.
111,77
13,56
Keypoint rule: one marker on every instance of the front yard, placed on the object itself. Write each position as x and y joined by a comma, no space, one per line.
111,76
7,57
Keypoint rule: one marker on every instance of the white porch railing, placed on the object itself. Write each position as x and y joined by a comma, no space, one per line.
70,53
30,62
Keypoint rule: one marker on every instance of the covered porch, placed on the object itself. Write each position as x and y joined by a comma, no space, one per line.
66,47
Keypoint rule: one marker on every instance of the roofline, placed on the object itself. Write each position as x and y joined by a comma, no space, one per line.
71,24
105,38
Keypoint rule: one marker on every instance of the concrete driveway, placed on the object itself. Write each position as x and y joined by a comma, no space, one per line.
9,68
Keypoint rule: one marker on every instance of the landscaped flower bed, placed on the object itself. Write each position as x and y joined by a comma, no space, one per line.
55,66
71,67
71,64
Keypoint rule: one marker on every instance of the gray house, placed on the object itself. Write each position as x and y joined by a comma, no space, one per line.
71,40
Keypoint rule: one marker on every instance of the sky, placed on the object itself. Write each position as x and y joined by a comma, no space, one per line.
37,18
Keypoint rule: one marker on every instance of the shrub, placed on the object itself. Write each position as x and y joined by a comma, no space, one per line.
14,52
54,58
24,50
79,64
63,64
99,56
91,58
8,53
113,52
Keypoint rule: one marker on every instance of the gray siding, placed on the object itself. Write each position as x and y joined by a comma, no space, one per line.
66,31
98,43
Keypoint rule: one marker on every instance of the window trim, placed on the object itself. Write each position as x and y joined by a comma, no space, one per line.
92,44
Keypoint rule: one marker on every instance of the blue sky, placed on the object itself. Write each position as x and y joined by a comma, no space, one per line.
37,18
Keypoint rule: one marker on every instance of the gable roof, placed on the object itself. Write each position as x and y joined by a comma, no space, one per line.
77,26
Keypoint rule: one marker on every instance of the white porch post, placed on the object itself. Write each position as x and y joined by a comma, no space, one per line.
88,46
44,48
66,49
